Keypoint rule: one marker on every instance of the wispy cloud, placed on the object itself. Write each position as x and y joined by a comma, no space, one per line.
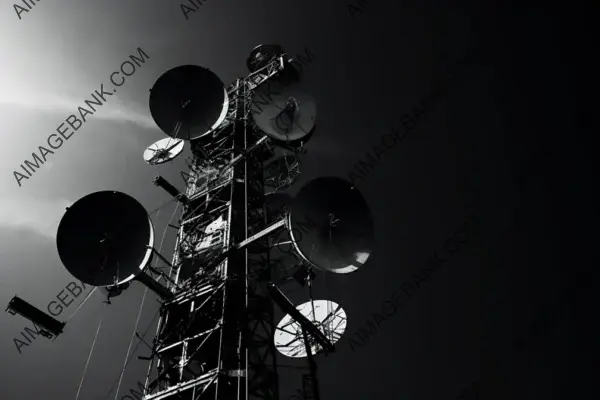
113,110
41,216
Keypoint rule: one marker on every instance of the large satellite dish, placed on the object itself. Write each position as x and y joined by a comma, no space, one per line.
188,102
331,225
105,238
329,317
284,112
163,150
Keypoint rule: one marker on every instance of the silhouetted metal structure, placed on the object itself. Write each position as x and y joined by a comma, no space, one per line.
216,333
48,327
214,337
343,240
106,239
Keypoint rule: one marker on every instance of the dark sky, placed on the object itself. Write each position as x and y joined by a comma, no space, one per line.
503,141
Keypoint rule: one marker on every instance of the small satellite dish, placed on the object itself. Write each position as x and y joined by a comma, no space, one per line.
163,150
188,102
331,225
262,54
105,238
329,317
285,113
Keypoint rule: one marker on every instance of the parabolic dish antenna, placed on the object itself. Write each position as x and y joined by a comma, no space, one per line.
284,112
331,225
105,238
163,150
329,317
188,102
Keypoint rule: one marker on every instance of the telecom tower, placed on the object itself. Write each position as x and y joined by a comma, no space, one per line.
216,337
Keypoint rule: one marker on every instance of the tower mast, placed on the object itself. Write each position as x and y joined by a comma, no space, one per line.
214,336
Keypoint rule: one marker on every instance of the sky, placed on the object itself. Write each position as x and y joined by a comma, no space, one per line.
501,141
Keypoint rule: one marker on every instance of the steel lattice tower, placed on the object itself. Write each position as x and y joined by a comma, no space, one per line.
214,336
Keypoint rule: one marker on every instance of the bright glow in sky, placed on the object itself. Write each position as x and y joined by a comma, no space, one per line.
49,102
42,215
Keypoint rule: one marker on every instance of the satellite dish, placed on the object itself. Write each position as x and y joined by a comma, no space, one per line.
285,113
329,317
188,102
163,150
105,238
331,225
262,54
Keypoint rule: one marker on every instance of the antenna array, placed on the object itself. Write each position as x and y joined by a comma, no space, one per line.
217,337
